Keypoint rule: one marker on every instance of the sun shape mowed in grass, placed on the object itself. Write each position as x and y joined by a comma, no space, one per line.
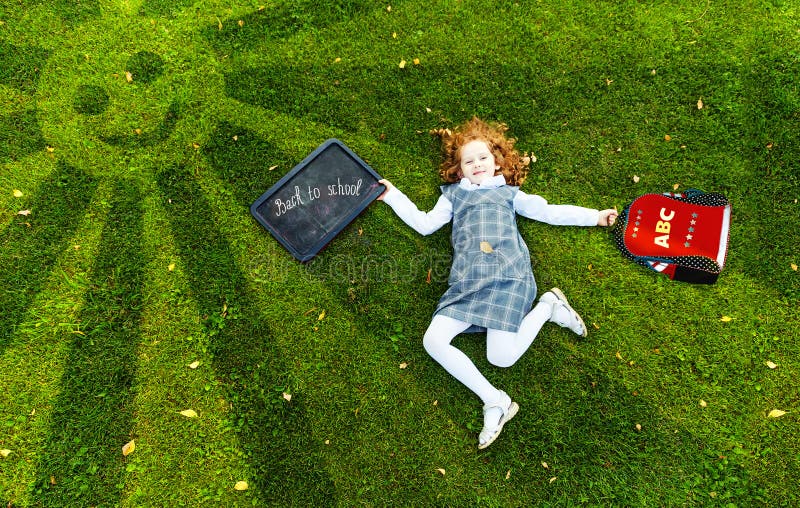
110,112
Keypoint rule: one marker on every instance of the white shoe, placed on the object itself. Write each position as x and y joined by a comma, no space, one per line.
509,409
563,314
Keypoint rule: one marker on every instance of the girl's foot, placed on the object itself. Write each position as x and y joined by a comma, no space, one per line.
563,314
495,415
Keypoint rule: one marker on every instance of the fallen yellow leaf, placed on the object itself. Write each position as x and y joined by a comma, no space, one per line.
287,396
486,248
17,193
726,319
189,413
241,485
700,103
194,364
794,267
5,453
636,179
544,465
24,212
128,76
638,427
441,471
272,167
321,316
404,365
402,64
171,267
667,137
129,447
703,403
337,60
508,474
416,61
771,364
619,356
553,479
776,413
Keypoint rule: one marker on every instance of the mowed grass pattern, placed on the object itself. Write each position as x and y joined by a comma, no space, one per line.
134,135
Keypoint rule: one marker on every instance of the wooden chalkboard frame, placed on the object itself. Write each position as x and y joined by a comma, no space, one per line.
304,219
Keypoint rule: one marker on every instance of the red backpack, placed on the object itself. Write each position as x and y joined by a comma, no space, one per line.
684,236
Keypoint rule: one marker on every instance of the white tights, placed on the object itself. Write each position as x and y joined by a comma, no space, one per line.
503,349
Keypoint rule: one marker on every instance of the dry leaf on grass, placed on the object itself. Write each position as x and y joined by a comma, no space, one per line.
129,447
189,413
771,364
776,413
5,452
440,471
194,364
17,193
287,397
241,485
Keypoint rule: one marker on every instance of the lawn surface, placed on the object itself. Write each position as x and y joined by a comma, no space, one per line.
135,285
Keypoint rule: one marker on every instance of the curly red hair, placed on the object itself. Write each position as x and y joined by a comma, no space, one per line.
513,166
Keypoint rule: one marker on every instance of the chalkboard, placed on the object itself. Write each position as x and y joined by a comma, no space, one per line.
314,201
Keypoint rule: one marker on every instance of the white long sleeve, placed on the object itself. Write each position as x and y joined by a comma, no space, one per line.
421,222
537,208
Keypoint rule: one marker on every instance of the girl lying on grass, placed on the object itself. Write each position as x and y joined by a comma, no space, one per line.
491,283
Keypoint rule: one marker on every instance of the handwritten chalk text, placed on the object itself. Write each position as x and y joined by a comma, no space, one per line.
282,206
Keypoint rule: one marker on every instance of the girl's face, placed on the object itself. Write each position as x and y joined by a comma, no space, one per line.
477,162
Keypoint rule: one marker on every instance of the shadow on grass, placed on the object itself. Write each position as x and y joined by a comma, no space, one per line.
31,245
20,65
282,21
92,418
275,437
20,133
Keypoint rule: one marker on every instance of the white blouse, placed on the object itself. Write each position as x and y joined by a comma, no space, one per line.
528,205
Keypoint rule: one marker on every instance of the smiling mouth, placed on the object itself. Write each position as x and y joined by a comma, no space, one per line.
157,135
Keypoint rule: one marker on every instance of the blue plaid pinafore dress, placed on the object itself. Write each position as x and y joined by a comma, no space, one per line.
491,280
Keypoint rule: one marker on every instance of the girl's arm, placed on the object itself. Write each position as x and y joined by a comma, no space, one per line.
537,208
421,222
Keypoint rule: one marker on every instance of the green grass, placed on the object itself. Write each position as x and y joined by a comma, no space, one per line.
139,256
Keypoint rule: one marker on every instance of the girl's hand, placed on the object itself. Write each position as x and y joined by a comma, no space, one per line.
388,185
607,217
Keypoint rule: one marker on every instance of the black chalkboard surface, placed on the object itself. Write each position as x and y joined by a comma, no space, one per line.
314,201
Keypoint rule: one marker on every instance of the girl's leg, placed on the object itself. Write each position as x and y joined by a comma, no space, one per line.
438,337
498,407
503,349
